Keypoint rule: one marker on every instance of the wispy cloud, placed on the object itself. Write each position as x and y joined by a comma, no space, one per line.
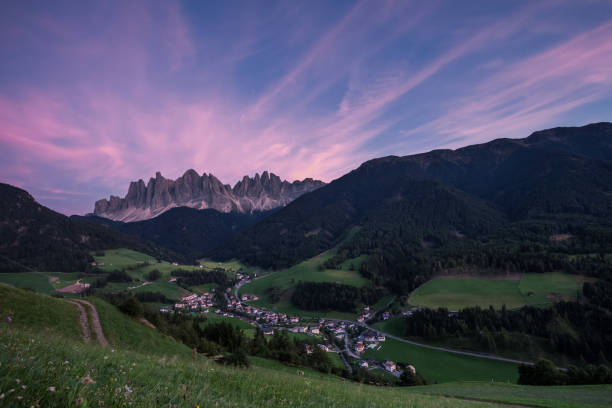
117,93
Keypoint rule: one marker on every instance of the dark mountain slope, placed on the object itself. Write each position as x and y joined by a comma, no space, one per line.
36,237
185,230
507,195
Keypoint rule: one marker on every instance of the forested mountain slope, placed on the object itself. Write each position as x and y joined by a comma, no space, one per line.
33,236
541,197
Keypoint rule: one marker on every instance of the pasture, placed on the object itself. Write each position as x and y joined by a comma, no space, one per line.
306,271
456,293
439,366
548,397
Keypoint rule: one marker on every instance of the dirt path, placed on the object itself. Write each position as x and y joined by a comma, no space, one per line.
83,321
95,321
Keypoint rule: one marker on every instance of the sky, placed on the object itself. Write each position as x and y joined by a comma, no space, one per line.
94,95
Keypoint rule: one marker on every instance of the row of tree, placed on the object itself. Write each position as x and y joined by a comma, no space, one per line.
326,296
544,372
580,331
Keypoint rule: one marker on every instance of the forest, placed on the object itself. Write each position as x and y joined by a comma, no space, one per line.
326,296
581,331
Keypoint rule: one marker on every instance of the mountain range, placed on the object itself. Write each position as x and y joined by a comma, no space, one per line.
260,193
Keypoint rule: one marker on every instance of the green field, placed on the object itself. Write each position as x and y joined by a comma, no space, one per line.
395,325
549,397
458,293
439,366
128,259
306,271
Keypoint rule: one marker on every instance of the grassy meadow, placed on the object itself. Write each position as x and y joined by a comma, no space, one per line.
531,289
306,271
439,366
579,396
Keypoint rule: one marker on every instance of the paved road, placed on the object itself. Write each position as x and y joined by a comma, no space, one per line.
348,348
238,286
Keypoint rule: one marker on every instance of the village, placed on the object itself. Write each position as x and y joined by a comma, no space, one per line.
338,336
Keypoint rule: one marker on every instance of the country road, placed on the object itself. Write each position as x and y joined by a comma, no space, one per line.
86,325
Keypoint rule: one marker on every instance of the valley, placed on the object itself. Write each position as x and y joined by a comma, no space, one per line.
408,279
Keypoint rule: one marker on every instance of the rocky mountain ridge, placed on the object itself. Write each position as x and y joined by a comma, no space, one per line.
260,193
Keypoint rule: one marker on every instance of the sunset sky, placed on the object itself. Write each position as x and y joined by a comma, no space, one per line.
94,95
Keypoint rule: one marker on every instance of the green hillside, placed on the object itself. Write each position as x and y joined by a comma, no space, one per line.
42,351
44,362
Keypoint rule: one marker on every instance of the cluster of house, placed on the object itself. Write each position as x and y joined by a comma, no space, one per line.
192,303
368,339
261,315
337,329
323,347
97,264
366,315
386,365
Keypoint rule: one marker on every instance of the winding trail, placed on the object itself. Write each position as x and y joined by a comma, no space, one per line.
83,321
86,324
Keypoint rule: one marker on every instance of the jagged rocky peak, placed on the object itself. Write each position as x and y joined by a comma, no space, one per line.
260,193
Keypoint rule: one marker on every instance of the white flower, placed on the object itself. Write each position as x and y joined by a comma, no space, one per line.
17,380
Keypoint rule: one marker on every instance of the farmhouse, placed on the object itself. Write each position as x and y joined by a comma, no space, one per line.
389,366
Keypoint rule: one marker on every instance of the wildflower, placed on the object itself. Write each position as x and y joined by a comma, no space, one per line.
17,380
106,357
87,380
9,319
2,396
19,397
23,387
52,389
